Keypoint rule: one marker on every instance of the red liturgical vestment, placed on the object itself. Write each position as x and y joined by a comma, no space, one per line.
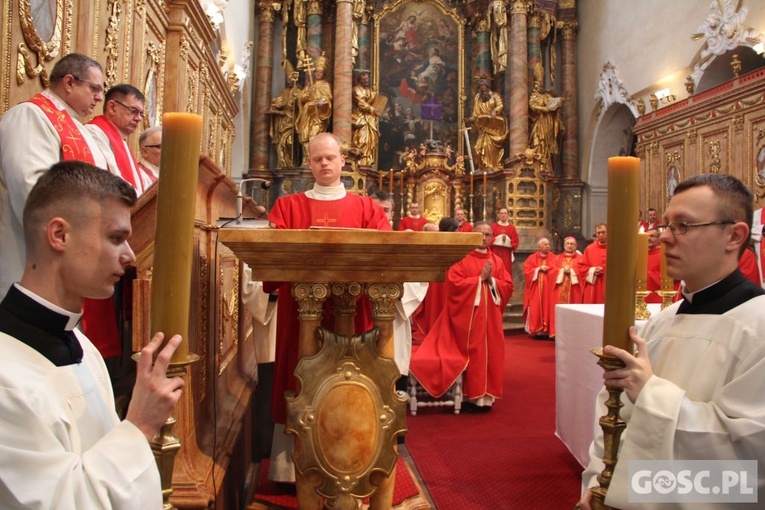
468,334
300,212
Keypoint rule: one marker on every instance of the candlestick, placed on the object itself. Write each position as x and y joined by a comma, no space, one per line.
621,257
390,181
174,230
403,177
642,261
485,188
470,153
471,183
380,176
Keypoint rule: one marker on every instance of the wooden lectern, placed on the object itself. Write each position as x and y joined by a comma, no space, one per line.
346,415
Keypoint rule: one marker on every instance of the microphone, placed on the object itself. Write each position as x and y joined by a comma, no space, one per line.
264,184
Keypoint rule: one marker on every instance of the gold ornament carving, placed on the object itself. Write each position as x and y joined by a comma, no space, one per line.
266,11
384,297
346,418
714,156
310,298
111,43
345,295
44,50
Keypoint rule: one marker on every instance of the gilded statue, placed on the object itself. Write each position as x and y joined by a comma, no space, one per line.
314,106
299,20
364,120
283,110
492,129
497,15
547,126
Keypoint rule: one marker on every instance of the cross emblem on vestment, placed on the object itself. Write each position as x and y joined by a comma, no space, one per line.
326,220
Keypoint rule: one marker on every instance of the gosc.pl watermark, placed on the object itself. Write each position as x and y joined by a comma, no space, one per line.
693,481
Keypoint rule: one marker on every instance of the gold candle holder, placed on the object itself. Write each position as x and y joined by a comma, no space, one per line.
612,426
641,308
666,297
165,444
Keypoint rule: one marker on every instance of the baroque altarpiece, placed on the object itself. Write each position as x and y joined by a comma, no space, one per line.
450,104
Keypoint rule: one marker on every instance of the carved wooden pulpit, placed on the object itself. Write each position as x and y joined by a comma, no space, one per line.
346,415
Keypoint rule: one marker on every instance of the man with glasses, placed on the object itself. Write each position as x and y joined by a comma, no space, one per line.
123,114
36,134
592,267
693,391
150,143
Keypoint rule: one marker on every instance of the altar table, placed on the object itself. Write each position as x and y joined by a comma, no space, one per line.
578,378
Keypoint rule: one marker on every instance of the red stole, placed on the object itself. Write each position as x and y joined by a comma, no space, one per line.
125,159
74,147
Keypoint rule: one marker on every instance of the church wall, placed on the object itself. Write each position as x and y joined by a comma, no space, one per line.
651,47
240,28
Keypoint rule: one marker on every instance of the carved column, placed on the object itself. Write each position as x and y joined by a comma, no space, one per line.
342,100
363,60
328,38
261,92
313,28
482,48
535,43
517,80
384,297
570,148
345,295
310,298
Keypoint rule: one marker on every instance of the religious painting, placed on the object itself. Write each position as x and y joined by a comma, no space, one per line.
761,166
673,179
419,69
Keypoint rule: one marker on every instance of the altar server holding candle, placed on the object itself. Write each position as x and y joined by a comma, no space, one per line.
693,391
62,444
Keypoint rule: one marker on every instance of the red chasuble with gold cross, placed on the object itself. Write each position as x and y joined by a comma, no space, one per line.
300,212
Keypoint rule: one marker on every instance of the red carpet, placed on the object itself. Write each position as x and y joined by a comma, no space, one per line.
508,458
282,496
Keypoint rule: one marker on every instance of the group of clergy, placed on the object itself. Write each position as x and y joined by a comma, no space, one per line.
49,128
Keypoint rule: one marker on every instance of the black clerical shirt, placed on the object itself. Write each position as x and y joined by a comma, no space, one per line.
40,328
725,295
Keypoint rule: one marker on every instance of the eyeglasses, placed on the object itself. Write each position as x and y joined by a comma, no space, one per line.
94,87
135,112
679,228
157,146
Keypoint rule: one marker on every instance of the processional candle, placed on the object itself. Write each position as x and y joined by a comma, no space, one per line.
174,231
621,257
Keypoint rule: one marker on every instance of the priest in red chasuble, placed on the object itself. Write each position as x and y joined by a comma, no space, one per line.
505,240
538,271
326,205
413,220
468,335
567,287
592,267
462,224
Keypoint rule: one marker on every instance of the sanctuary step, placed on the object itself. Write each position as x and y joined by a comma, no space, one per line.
512,318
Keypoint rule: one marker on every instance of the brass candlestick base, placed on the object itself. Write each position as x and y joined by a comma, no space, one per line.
641,308
165,444
612,426
666,297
